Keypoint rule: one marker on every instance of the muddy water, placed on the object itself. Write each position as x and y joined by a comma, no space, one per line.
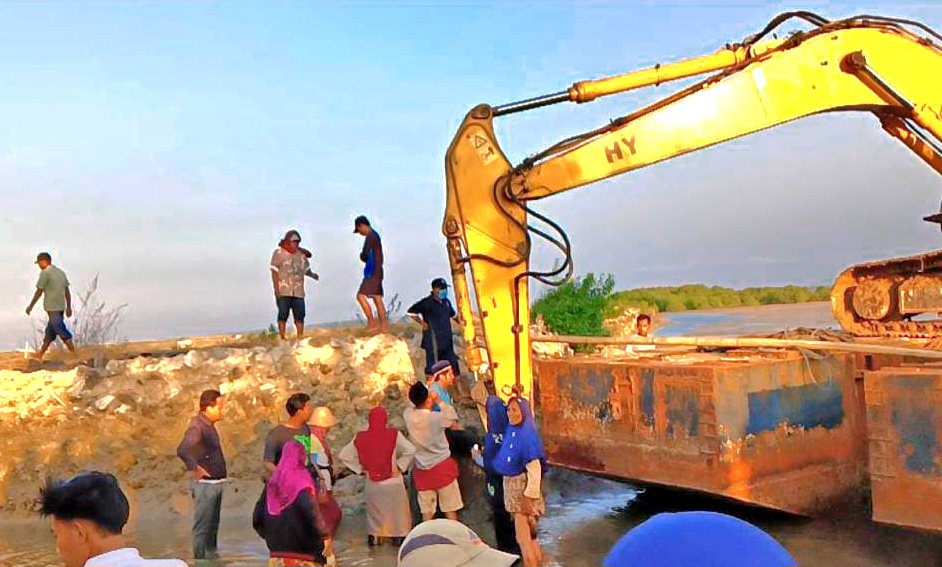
581,525
585,516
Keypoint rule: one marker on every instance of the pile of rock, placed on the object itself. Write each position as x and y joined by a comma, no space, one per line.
127,416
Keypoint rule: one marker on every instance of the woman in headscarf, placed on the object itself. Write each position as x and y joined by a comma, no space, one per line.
321,457
287,516
382,454
496,428
521,461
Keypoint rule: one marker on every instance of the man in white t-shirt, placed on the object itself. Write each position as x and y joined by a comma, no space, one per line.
88,514
435,473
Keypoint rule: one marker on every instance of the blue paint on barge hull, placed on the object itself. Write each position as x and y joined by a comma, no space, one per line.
683,412
647,396
592,390
808,406
916,420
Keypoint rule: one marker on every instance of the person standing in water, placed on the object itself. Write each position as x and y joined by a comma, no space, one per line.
522,462
201,452
322,459
497,423
383,455
287,517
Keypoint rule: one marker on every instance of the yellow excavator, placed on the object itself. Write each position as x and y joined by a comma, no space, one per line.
889,67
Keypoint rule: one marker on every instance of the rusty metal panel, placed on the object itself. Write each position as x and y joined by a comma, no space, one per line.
919,294
904,418
781,432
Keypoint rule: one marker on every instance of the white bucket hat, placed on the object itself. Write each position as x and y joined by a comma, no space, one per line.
447,543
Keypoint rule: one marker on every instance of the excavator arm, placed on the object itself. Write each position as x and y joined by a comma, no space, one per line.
870,64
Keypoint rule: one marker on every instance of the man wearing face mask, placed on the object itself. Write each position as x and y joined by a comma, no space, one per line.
435,314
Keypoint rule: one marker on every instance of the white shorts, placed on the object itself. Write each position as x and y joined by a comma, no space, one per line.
448,498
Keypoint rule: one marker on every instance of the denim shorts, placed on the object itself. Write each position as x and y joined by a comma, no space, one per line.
55,327
293,304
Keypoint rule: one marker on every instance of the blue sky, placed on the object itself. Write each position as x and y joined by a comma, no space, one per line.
168,145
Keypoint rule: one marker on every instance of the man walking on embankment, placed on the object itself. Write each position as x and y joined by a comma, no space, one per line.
53,287
371,288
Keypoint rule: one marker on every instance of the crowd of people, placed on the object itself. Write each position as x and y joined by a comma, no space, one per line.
297,516
296,513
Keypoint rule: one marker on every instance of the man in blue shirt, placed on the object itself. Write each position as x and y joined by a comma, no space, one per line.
435,314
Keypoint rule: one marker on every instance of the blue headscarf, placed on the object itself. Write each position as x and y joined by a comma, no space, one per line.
521,445
496,427
695,539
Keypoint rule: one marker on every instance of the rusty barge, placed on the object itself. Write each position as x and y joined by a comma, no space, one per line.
781,429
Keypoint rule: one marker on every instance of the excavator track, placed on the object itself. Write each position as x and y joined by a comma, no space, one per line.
879,299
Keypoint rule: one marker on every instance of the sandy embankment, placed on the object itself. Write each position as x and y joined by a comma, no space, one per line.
127,415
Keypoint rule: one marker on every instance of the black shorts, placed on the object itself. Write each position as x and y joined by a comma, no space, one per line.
293,304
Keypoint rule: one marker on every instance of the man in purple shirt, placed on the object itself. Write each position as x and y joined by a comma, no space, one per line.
201,452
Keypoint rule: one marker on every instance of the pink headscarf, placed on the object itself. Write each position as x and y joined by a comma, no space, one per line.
289,480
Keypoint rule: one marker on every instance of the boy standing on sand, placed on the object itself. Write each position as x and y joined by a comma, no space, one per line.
53,287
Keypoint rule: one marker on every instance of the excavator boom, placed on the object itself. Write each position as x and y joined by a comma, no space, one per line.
870,64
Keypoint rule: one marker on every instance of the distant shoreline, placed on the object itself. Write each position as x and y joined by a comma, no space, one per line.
747,319
751,308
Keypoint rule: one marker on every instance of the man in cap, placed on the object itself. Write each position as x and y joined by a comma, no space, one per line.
435,314
88,514
53,287
372,285
289,265
447,543
201,452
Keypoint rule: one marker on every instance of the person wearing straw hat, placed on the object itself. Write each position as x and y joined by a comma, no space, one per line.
322,420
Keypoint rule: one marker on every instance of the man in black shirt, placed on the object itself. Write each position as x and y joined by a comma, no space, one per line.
299,409
435,313
201,452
